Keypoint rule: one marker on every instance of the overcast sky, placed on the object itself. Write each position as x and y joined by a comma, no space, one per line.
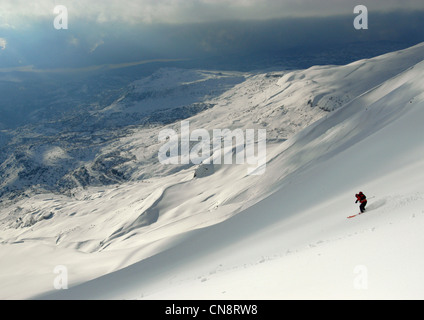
19,13
129,31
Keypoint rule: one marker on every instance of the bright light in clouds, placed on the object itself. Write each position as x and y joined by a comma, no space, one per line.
3,43
15,12
96,45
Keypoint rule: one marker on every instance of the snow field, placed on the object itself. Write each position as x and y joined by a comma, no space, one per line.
282,235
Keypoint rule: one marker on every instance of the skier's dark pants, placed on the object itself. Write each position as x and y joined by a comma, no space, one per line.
362,207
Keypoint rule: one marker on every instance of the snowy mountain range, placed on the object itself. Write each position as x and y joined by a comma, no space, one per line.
87,191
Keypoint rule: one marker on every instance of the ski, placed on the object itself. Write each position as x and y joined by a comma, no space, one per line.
354,215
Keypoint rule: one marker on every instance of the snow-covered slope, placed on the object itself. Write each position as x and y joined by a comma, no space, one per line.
229,235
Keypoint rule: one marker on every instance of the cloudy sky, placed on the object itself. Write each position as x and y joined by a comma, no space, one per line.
126,31
19,13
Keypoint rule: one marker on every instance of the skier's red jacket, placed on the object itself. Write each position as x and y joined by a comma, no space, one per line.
361,197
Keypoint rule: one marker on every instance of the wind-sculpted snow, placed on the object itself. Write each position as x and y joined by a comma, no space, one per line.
137,228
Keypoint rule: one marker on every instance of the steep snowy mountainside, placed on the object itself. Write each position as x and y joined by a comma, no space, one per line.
334,86
155,210
297,242
281,102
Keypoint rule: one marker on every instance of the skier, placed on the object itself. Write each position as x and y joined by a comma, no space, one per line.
363,200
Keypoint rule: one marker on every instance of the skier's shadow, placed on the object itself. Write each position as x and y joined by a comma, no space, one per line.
377,204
